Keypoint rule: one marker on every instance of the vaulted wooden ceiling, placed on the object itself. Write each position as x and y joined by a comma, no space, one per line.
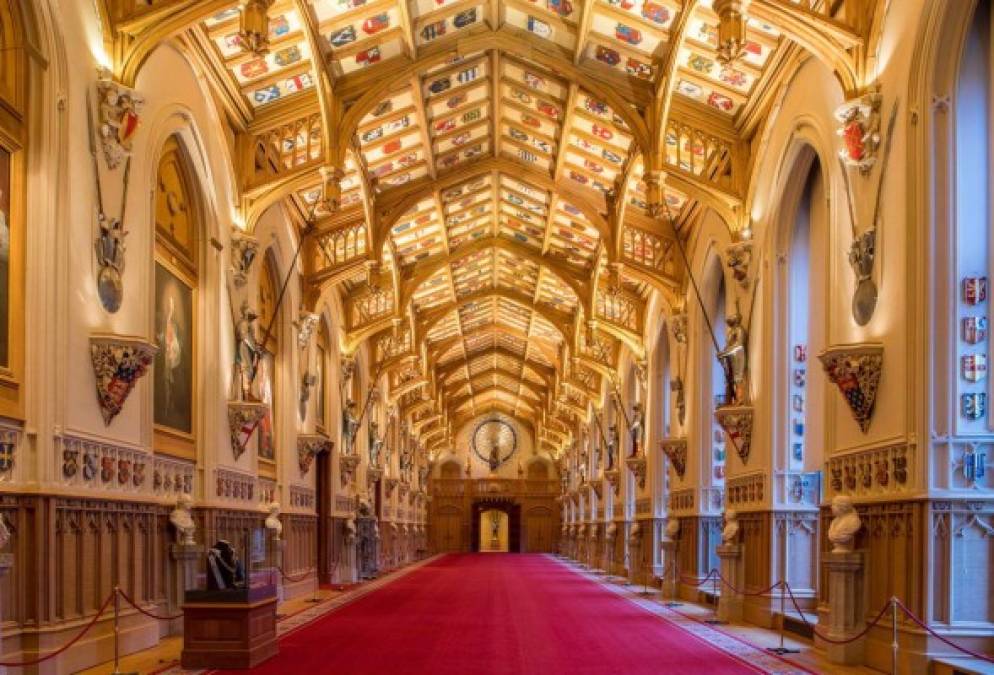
495,186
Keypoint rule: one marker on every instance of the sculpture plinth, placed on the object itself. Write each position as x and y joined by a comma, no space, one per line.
637,465
118,363
730,600
846,608
243,418
675,450
736,420
855,369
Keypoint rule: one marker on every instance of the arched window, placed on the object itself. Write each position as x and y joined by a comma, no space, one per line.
268,286
973,217
177,267
715,442
804,289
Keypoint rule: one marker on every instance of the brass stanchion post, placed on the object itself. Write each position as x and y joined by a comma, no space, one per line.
893,643
714,620
117,633
781,650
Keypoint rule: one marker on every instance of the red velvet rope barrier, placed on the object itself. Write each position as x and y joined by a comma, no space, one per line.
976,655
34,662
149,614
684,580
833,641
292,580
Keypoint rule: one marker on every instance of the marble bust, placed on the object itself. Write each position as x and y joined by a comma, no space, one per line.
845,524
730,534
182,520
672,529
273,523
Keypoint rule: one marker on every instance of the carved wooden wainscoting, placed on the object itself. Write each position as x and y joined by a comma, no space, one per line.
696,550
69,553
450,519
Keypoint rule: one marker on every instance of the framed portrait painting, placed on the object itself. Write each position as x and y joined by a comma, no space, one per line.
173,374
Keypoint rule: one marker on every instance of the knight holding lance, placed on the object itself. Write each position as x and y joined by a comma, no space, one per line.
350,425
248,353
612,445
733,359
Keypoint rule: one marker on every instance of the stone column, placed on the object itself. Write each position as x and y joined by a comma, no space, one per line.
671,570
846,607
729,601
185,558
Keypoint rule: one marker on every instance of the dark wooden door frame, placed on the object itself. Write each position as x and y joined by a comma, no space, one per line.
513,511
326,539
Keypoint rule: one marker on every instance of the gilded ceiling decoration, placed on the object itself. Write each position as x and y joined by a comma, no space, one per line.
495,187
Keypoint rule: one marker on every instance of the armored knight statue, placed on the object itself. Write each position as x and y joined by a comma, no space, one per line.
248,353
350,425
375,444
612,445
182,520
733,359
845,524
637,429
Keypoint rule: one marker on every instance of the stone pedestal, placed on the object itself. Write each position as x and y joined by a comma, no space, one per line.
277,548
671,570
729,601
185,558
846,607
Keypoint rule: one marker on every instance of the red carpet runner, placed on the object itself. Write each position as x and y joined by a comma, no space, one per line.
491,614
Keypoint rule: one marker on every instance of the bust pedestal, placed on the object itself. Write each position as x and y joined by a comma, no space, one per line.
184,570
277,548
671,570
846,608
729,601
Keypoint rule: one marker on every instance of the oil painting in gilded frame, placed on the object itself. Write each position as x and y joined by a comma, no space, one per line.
5,221
320,384
267,443
173,374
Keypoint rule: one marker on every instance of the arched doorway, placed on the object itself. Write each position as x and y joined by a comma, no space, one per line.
482,523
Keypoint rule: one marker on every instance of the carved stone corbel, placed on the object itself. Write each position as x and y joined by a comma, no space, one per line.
118,362
347,465
678,327
305,328
859,130
119,110
738,257
675,450
244,249
389,485
637,465
243,418
372,475
614,479
310,446
737,420
855,369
